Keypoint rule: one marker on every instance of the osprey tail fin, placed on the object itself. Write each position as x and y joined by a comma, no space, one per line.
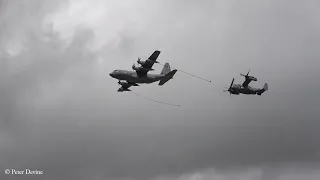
265,88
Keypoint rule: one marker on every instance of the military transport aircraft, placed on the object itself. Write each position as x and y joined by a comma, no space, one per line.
141,76
244,88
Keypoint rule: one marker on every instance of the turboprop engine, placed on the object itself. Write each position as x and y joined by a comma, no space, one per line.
249,77
141,68
125,83
146,61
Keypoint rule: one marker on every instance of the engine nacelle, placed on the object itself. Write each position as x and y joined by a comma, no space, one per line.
141,62
123,83
141,68
252,78
136,68
146,61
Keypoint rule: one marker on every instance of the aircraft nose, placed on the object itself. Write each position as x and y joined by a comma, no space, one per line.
111,74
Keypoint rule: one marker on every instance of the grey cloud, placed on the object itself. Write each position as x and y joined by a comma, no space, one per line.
278,172
60,111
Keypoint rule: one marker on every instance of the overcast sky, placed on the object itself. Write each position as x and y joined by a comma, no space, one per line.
60,111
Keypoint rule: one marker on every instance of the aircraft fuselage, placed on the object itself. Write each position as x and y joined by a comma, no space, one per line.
132,76
239,89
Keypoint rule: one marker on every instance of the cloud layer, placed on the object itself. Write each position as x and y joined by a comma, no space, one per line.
60,112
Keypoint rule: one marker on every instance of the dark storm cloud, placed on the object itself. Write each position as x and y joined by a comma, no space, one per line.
60,112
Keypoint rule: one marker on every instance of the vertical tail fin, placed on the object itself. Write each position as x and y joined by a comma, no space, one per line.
166,69
265,88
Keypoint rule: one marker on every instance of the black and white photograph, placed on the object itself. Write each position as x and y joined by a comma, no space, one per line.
159,90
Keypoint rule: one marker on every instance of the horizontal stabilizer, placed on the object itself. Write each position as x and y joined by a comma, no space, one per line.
167,77
265,88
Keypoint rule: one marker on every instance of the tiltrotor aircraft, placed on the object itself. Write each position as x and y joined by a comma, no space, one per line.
141,76
244,88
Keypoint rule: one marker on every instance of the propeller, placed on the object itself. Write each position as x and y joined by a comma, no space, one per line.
231,83
134,66
249,77
245,75
122,83
229,89
123,86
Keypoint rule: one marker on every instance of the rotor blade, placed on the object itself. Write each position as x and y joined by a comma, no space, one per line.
248,72
242,74
133,66
231,83
225,90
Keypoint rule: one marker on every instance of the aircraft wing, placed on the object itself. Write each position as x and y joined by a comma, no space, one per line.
153,59
246,82
147,66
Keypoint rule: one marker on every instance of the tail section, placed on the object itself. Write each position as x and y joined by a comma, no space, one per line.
265,88
166,69
167,77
